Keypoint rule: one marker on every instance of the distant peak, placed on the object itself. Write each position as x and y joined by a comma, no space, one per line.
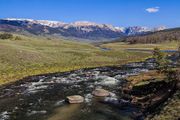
19,19
84,23
160,28
89,26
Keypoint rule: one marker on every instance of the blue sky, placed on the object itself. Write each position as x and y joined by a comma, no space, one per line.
149,13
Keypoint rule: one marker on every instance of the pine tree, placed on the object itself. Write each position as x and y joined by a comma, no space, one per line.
178,55
161,60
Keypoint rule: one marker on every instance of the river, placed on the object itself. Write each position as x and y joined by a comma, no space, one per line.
43,97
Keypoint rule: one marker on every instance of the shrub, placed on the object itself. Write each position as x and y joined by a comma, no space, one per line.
6,36
178,55
17,38
161,60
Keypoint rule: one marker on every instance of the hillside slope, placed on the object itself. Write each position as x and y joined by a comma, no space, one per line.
38,55
78,30
81,30
156,37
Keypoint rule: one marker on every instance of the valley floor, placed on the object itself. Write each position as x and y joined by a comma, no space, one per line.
34,55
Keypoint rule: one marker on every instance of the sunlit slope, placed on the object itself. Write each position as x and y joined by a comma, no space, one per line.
39,55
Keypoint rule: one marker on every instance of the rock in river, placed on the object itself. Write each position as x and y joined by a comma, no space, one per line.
75,99
106,80
101,93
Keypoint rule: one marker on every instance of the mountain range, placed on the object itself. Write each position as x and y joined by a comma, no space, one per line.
78,30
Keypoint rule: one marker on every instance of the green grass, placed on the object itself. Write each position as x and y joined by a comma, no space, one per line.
163,46
34,55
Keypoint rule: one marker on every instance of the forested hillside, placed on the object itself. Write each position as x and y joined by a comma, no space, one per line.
156,37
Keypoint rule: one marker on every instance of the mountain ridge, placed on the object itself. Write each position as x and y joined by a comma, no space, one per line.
78,29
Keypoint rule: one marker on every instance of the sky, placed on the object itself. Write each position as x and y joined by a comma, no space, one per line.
150,13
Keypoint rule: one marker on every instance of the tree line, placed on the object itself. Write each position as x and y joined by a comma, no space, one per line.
156,37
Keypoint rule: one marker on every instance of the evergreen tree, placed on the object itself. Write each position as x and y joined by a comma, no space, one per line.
178,55
161,60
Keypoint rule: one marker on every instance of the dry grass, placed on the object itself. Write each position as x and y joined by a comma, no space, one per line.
144,78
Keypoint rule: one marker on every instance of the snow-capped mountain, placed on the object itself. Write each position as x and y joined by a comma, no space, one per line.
136,30
160,28
79,29
49,23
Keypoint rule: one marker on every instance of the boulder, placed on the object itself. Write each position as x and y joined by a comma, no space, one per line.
75,99
106,80
101,93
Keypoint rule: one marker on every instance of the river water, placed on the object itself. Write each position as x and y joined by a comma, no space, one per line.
147,50
43,97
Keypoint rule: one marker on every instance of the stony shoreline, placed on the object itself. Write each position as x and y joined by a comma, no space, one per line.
38,97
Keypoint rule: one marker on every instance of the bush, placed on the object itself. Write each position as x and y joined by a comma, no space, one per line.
161,60
178,55
6,36
17,38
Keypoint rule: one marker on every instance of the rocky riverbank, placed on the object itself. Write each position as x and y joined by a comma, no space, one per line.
44,97
152,94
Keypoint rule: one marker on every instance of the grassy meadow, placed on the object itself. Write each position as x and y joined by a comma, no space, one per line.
34,55
163,46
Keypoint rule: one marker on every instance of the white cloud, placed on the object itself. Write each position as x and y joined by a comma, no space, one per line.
152,10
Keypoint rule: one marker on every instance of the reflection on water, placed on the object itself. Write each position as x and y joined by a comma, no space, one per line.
66,112
95,111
